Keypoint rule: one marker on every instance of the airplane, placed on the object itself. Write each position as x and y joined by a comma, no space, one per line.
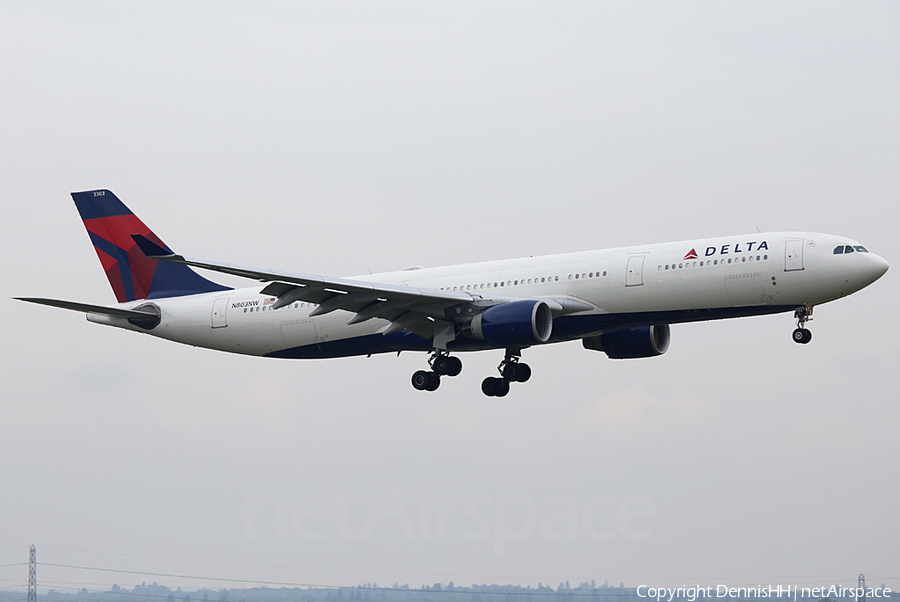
619,301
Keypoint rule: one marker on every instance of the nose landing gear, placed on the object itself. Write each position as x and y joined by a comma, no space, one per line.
801,334
441,364
511,369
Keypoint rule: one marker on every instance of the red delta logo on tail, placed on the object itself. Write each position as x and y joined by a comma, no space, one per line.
110,224
692,254
132,275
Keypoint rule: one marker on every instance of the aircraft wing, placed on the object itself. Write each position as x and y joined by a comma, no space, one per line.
404,306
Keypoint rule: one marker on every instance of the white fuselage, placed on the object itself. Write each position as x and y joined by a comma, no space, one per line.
615,288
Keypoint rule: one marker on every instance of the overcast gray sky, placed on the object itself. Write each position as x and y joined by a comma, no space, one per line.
337,138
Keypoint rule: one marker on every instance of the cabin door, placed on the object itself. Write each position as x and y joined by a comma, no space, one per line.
220,308
793,255
634,271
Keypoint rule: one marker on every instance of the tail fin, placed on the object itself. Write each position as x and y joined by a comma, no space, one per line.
132,274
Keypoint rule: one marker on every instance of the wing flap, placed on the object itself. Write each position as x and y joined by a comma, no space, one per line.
379,309
414,322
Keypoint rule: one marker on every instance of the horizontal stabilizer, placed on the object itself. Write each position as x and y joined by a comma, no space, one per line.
115,312
150,248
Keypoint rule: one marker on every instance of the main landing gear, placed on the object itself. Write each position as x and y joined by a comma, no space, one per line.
441,365
801,334
511,369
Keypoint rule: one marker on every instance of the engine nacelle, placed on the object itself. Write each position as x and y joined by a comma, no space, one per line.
646,341
514,324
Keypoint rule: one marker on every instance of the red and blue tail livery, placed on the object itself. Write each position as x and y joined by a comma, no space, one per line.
618,301
132,274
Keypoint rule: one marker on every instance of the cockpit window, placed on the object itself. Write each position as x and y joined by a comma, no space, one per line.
841,249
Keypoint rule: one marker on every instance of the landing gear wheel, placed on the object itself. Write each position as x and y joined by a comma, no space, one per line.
446,365
421,379
434,381
802,336
510,371
440,364
426,381
517,372
454,366
494,387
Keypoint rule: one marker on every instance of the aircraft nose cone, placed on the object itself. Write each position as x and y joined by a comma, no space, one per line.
877,266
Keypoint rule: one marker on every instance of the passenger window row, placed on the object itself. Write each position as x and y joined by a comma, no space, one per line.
523,281
297,305
694,264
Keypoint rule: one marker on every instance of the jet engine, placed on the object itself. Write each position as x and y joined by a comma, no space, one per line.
514,324
645,341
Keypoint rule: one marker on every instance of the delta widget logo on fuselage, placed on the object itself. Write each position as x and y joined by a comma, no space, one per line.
726,249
